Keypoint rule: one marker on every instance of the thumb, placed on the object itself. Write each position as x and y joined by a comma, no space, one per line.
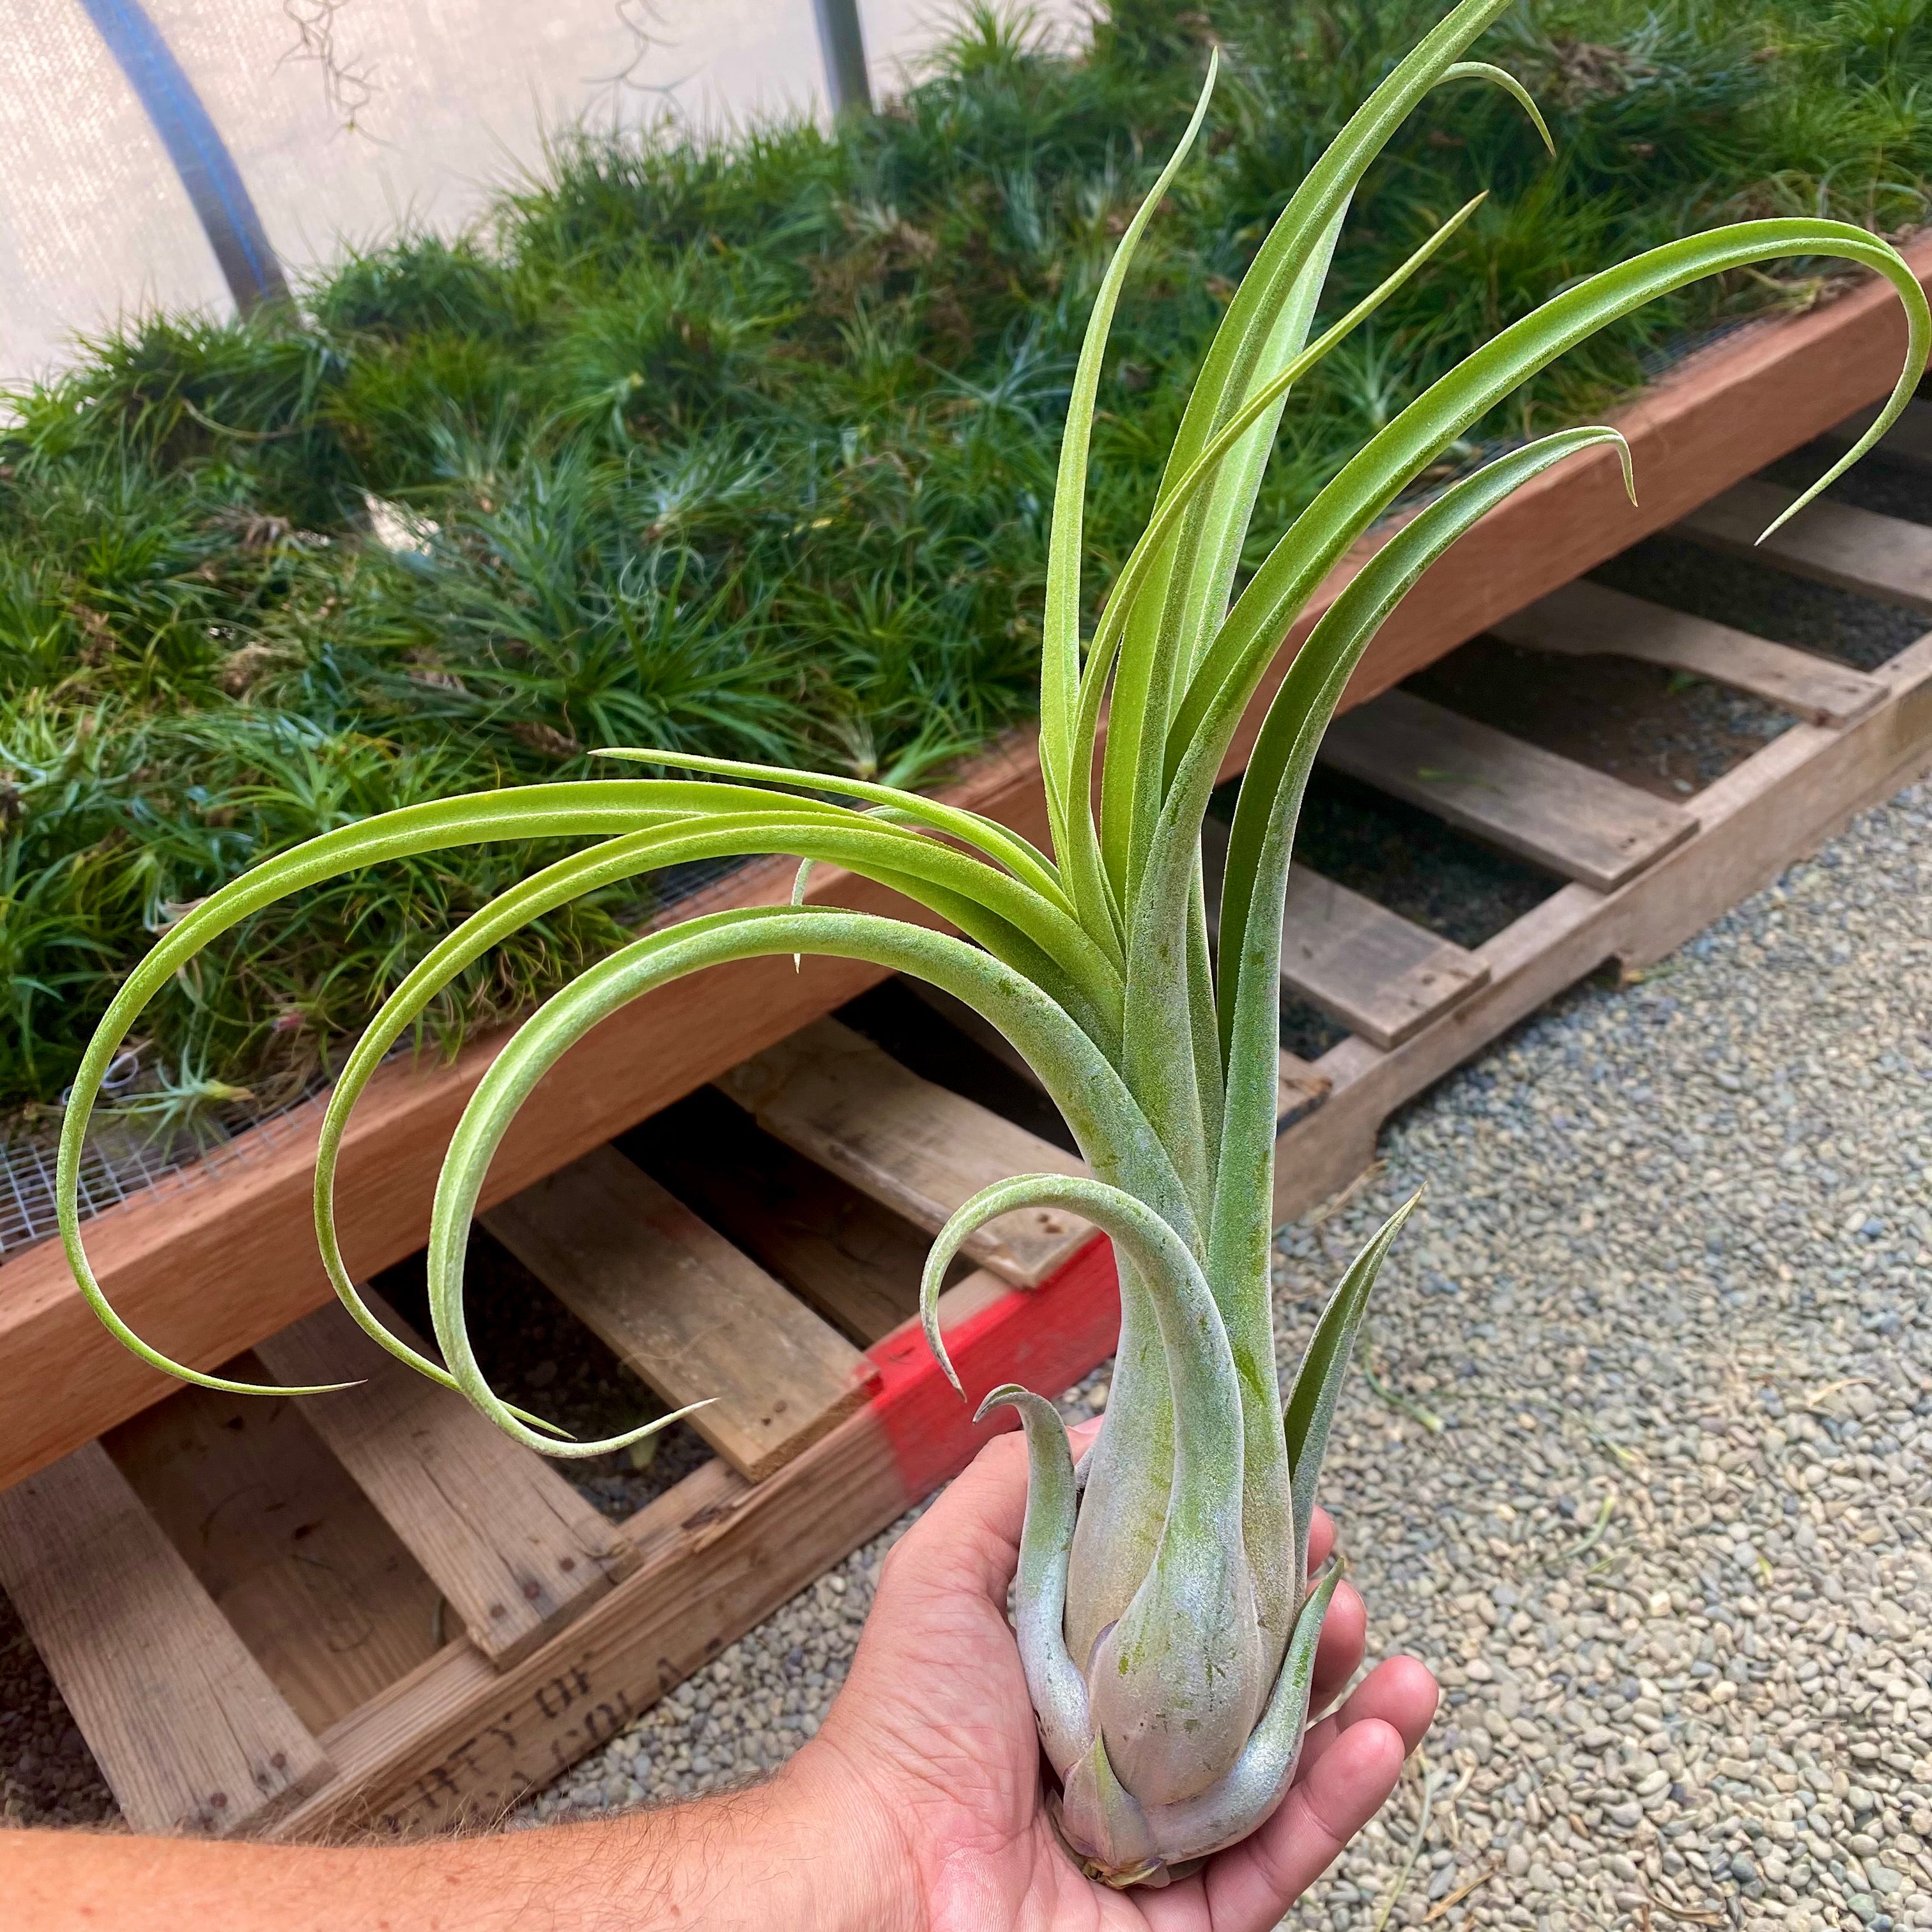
969,1538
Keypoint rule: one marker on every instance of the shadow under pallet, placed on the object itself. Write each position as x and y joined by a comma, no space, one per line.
370,1609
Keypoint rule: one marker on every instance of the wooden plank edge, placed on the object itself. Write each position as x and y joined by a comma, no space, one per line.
1300,1087
1587,620
447,1482
1495,786
1407,1031
840,1100
1777,806
207,1744
691,1314
457,1742
1299,1090
1908,443
1868,553
205,1270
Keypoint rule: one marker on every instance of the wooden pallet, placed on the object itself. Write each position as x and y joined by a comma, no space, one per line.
370,1609
270,1614
207,1268
1863,737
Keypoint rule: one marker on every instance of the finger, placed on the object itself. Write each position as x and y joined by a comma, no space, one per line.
1249,1886
1400,1692
1320,1539
1398,1698
969,1538
1338,1652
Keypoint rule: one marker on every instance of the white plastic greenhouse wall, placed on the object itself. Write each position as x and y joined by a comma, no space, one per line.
344,118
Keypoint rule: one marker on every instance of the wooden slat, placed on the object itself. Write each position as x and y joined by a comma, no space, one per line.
205,1270
1584,620
187,1730
1908,441
1380,975
1780,804
697,1320
457,1742
1550,810
1884,557
321,1592
1299,1090
516,1550
843,1253
847,1105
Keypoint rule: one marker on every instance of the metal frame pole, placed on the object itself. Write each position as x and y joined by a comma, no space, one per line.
194,145
843,44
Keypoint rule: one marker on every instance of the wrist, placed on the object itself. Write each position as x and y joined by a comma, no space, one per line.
809,1851
856,1871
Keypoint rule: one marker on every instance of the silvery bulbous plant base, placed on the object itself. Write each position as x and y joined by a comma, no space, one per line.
1183,1733
1151,1873
1118,1841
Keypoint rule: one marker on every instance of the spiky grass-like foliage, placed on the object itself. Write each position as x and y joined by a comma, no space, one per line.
745,447
1167,1622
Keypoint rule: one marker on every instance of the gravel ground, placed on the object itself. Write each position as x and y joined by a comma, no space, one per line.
1645,1472
1650,1484
47,1774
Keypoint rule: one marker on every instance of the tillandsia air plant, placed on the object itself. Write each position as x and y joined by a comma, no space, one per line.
1166,1620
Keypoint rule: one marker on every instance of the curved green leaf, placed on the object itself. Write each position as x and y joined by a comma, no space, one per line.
1003,913
1058,1691
1172,1076
1060,660
1005,847
1227,677
1113,1135
1124,598
1261,841
1501,77
1318,1384
1265,325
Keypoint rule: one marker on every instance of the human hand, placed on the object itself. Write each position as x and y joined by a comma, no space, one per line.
917,1808
931,1757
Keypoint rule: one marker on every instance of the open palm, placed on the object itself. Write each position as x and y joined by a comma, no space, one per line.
933,1741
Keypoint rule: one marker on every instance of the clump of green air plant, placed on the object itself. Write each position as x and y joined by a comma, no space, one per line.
1167,1621
744,447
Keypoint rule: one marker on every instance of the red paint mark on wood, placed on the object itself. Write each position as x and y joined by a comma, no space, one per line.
1047,1337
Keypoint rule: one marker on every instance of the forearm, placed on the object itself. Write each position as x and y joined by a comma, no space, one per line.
786,1857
